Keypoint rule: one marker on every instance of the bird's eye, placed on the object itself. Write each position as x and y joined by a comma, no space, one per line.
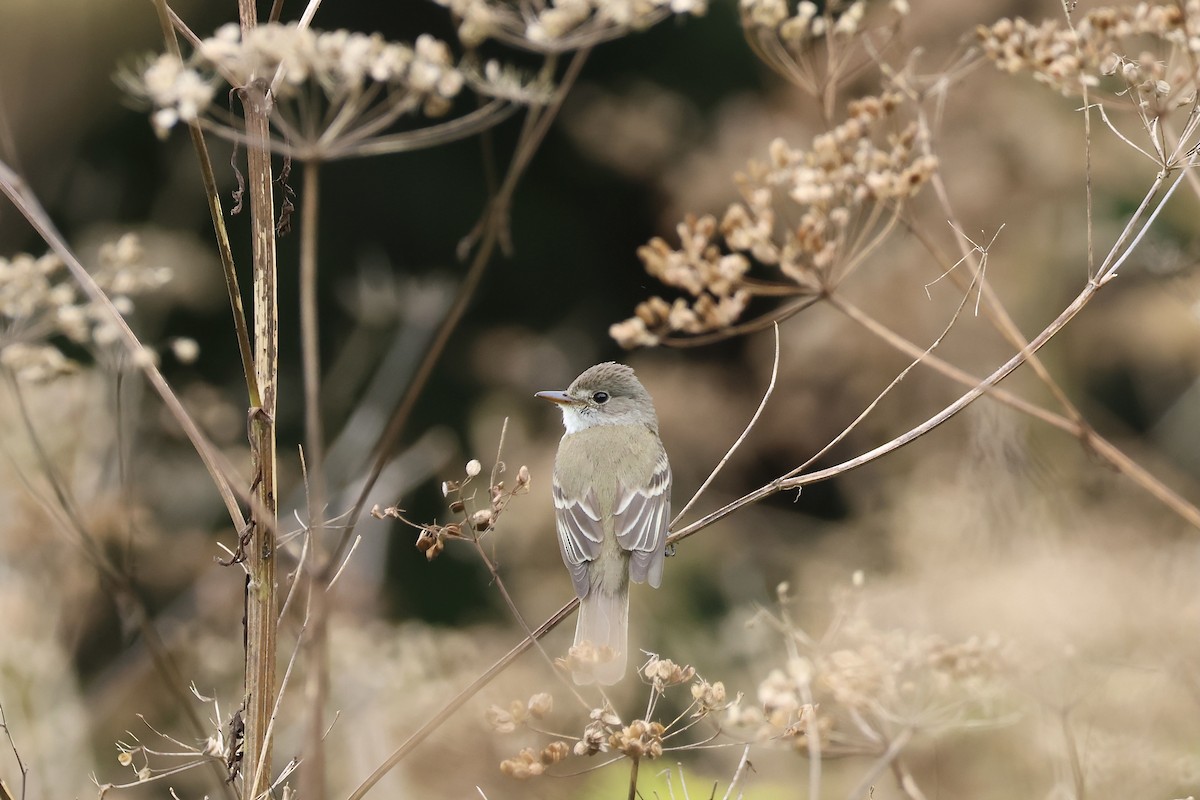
600,398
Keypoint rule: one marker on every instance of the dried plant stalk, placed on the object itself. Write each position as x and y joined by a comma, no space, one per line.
262,604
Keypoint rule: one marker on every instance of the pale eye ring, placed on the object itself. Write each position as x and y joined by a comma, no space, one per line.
600,398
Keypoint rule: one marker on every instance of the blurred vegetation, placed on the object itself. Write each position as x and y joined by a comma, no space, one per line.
992,529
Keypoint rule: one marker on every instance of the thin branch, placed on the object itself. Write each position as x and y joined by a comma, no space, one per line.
345,561
752,326
739,773
317,689
1087,436
908,783
529,634
1072,748
887,390
995,311
884,761
745,432
353,146
1089,214
217,215
788,481
21,765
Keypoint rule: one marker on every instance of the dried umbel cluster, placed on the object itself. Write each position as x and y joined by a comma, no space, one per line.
530,763
853,690
473,520
840,198
553,26
1142,52
362,77
517,714
796,29
583,658
39,302
784,35
605,732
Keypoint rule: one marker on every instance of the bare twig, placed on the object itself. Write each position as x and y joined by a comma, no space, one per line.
739,773
1085,434
529,634
317,688
1072,748
217,215
745,432
24,769
882,763
878,398
908,784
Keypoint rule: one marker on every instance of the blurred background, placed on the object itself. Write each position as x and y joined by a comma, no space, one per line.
1073,588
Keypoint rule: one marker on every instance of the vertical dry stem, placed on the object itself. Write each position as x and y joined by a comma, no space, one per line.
262,604
317,682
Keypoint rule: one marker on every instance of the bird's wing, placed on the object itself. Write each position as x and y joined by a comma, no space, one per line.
642,516
580,534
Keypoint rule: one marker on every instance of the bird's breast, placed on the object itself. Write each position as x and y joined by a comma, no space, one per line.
596,459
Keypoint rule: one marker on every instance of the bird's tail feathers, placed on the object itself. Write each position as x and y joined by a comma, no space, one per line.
604,622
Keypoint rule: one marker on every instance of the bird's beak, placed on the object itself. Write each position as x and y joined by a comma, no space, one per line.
560,398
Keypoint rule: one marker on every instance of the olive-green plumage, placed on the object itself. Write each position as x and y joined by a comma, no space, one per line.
612,499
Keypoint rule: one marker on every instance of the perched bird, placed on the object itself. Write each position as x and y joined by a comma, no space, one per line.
612,504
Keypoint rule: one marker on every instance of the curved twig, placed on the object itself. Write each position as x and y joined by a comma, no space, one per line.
738,442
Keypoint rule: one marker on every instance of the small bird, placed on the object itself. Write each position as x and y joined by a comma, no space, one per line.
612,504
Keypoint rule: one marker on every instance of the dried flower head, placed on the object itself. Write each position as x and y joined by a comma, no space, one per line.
431,542
605,715
597,732
583,658
334,92
787,39
40,301
639,739
709,697
508,720
523,479
605,732
1143,52
857,682
556,26
540,705
663,672
507,82
505,720
482,519
527,764
150,763
594,740
842,196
